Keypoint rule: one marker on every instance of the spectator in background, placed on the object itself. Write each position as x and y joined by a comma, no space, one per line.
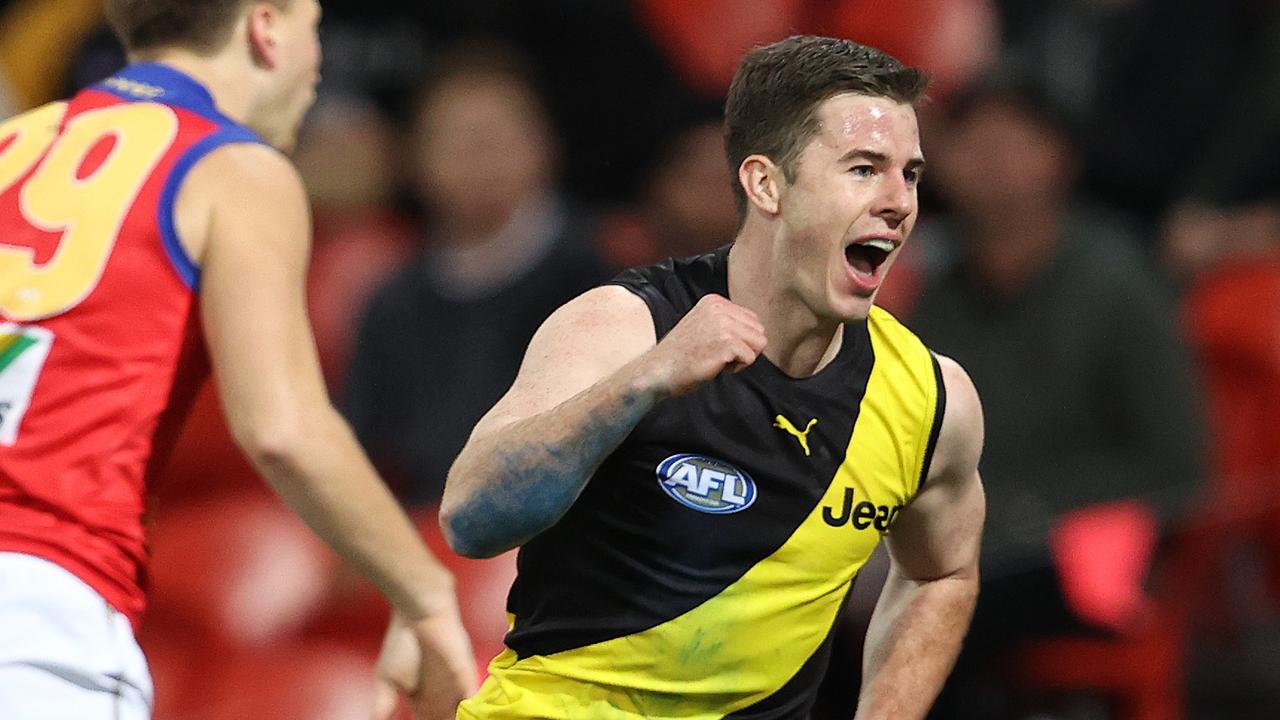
503,250
1229,211
686,200
1201,237
1087,387
347,157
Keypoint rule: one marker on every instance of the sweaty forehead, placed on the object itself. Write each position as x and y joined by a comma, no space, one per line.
849,119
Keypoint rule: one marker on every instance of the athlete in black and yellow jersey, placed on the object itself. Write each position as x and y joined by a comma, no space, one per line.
699,457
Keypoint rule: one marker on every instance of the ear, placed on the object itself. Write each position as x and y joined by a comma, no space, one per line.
761,180
263,19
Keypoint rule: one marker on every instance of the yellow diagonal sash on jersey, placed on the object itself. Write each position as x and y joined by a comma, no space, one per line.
744,644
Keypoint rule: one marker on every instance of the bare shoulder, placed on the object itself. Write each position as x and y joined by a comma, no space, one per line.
245,165
961,435
606,326
583,342
244,182
605,308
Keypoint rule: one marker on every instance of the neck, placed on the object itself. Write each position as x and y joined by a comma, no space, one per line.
478,264
221,75
478,230
800,343
481,223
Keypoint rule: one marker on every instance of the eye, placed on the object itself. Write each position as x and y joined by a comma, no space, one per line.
912,176
863,170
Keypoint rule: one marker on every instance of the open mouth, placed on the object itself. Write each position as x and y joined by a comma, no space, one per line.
865,259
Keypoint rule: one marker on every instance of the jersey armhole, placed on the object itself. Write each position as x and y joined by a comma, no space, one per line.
186,268
940,410
659,310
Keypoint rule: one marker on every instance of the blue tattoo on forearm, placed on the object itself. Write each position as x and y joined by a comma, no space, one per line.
539,482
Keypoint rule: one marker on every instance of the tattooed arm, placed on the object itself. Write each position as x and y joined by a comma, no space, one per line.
590,374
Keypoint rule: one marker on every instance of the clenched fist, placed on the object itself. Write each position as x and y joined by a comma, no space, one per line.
715,335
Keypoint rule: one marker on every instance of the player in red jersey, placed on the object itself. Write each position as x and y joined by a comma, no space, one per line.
140,220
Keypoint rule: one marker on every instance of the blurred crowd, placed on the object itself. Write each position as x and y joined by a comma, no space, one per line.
1099,247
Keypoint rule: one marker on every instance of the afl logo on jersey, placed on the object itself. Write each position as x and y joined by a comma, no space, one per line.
706,484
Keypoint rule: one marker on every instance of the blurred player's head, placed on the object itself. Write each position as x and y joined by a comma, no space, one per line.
822,137
484,140
1005,151
272,46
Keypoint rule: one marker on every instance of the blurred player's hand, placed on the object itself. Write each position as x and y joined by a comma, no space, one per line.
716,334
429,662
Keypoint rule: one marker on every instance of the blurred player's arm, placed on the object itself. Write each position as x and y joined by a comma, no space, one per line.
243,215
929,596
590,374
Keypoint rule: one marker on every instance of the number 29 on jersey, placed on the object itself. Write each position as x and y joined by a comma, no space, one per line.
77,184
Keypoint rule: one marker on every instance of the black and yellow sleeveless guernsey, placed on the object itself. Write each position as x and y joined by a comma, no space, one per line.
701,571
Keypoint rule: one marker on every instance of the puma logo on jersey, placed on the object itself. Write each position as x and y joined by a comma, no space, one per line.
802,435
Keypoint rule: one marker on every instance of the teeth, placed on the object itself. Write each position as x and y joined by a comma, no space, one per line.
880,244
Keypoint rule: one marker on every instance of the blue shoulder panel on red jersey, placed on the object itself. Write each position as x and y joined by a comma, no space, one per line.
186,267
153,82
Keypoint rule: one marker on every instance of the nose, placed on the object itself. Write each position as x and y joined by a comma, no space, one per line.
896,199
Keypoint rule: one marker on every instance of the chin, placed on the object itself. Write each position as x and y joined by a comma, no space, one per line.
860,314
851,308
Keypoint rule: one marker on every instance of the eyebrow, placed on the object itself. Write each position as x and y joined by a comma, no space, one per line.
915,163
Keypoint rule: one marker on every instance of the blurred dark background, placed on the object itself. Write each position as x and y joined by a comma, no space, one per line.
1099,246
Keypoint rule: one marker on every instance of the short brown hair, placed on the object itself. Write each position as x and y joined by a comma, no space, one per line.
475,58
771,102
199,25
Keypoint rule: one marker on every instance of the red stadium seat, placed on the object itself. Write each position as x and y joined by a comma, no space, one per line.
231,576
291,682
353,253
241,585
951,39
239,571
1232,318
1141,668
358,613
205,462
